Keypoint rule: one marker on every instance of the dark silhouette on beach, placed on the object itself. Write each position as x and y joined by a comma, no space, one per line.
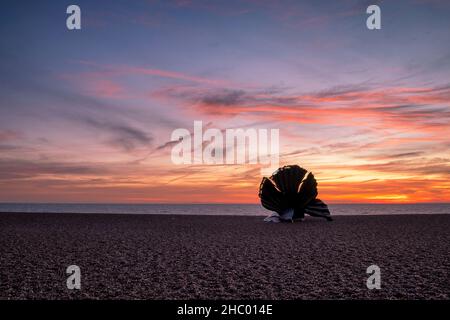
291,192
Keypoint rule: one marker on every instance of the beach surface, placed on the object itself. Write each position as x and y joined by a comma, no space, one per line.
223,257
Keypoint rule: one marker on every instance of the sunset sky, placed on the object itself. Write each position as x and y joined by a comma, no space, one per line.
87,115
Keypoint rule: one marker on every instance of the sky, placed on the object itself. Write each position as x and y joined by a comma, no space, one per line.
87,115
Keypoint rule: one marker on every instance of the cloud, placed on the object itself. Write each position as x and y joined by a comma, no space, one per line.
342,90
28,169
127,70
225,98
7,147
420,108
122,135
6,139
381,155
8,135
410,167
166,145
103,88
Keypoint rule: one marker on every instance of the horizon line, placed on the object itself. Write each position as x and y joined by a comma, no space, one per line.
208,203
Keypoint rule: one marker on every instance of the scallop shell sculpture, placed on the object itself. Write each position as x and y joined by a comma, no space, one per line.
291,192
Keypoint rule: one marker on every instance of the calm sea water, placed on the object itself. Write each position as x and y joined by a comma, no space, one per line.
219,209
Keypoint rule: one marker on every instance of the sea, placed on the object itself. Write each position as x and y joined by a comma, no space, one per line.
218,209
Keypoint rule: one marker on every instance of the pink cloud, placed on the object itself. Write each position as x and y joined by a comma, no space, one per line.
122,70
